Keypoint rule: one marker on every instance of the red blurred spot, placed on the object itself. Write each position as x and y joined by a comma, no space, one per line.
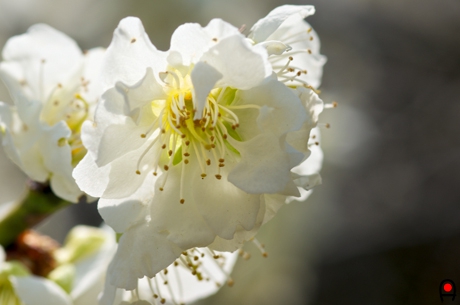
447,287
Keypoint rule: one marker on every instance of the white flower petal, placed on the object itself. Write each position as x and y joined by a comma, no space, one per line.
153,252
121,214
314,162
110,110
33,290
264,165
226,209
204,77
119,140
267,25
191,40
242,65
129,54
108,295
143,92
65,187
187,228
281,109
305,48
192,289
90,271
217,29
90,177
42,53
93,59
241,235
299,139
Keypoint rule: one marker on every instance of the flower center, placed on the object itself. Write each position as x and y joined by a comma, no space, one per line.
182,138
73,109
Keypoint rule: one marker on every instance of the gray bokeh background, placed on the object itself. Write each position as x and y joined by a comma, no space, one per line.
384,228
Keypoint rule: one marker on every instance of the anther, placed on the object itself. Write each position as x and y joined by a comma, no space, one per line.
186,154
311,38
182,201
155,296
331,105
230,282
182,136
196,258
163,301
224,136
161,189
187,143
291,58
166,167
163,146
218,177
208,162
133,40
170,153
186,161
221,160
221,165
138,172
155,173
260,247
203,175
143,135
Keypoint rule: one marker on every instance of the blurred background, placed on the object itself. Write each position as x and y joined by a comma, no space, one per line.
384,228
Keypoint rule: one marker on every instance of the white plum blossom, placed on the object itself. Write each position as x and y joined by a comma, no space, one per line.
294,53
196,274
197,146
18,287
54,88
292,43
82,263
